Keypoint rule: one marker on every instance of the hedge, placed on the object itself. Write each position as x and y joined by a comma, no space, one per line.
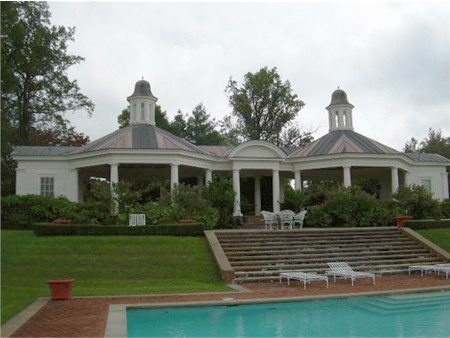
191,229
427,223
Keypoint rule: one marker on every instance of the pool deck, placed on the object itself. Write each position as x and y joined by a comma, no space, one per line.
88,316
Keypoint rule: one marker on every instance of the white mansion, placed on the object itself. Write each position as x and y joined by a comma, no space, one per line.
258,168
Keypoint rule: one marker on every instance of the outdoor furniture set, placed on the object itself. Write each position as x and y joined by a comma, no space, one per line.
285,219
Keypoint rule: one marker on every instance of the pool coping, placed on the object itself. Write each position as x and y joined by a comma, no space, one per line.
116,325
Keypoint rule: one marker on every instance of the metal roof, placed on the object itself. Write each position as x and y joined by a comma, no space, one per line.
141,136
144,136
42,150
340,142
422,157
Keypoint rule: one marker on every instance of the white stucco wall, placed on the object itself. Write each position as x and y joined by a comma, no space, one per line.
437,175
29,175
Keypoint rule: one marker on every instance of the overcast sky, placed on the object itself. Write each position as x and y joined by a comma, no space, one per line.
392,59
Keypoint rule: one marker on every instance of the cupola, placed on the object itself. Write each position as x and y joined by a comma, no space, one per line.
340,111
142,104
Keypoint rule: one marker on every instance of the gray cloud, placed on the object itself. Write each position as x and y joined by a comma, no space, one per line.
392,59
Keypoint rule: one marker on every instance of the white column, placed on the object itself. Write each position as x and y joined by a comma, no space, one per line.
114,179
276,190
282,181
340,119
237,190
347,177
394,180
173,176
114,174
75,185
208,177
298,180
257,195
444,177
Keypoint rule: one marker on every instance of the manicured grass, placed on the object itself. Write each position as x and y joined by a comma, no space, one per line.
103,265
440,236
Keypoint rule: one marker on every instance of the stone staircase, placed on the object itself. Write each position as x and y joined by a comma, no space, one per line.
258,255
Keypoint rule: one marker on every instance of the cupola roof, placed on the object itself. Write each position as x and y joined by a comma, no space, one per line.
339,97
142,88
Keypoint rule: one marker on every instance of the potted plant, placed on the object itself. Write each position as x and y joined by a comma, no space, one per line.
61,289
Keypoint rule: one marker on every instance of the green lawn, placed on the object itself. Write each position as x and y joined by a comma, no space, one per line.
103,265
440,236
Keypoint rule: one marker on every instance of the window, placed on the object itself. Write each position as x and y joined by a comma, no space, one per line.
47,186
426,183
142,111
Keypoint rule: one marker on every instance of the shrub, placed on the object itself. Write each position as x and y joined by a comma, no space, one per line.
415,200
295,200
351,206
189,202
317,217
445,208
154,213
26,209
220,194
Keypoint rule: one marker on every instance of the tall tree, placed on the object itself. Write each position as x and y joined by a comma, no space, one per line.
435,143
200,128
263,106
35,86
36,92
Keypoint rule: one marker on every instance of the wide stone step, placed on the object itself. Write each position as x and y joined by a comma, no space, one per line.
330,256
292,253
291,235
355,261
318,246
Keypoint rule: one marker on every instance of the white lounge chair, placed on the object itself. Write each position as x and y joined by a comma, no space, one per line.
422,267
442,268
445,267
344,270
270,219
305,277
299,218
136,219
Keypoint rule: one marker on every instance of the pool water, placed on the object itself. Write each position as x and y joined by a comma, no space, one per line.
418,315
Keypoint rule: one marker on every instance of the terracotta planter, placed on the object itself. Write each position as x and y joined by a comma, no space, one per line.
399,220
61,289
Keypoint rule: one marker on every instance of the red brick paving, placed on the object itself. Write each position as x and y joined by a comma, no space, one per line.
86,317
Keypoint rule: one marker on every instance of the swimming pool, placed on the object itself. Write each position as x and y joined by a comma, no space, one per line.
408,315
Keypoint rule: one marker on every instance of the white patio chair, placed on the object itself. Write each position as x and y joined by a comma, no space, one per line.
286,219
299,218
136,219
270,219
344,270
